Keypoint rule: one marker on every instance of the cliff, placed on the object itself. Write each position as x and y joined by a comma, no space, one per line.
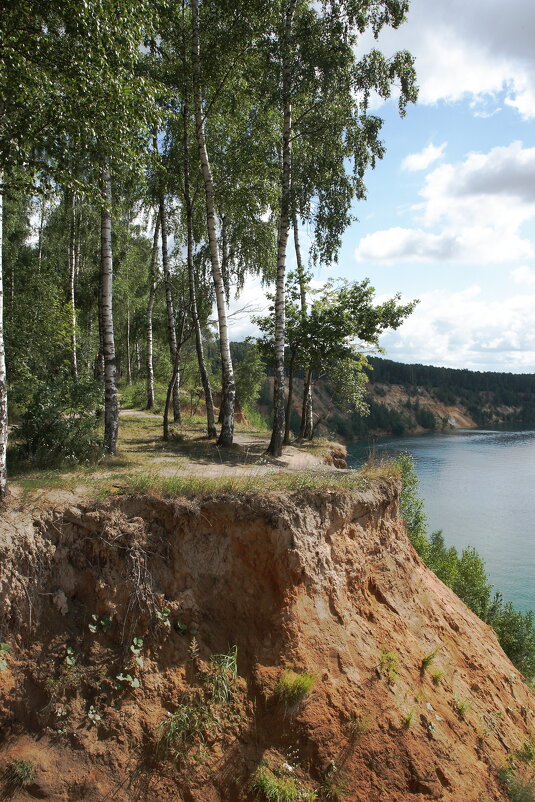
121,682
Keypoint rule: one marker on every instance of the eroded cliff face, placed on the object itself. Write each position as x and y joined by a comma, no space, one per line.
325,583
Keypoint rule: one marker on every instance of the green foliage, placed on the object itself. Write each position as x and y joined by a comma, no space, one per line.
461,706
467,577
5,648
249,373
59,425
223,675
292,688
388,665
273,788
518,776
428,659
411,505
18,774
178,732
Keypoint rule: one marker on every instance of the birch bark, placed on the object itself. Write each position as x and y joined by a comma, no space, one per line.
228,384
150,308
111,401
277,435
205,381
3,383
171,320
72,279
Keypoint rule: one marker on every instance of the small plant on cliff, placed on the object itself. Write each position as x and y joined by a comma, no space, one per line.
407,721
518,776
273,788
436,676
292,688
182,729
357,726
5,648
388,665
428,659
461,706
18,774
222,675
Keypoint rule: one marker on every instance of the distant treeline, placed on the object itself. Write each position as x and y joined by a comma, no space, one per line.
488,398
428,376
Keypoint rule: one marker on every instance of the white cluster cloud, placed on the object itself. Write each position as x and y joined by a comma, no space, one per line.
472,212
463,328
480,51
424,159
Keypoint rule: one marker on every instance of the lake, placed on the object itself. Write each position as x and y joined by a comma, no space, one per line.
479,488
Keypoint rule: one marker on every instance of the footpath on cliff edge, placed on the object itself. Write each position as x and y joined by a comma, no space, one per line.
189,623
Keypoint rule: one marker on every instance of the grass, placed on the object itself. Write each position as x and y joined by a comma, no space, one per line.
388,665
143,463
186,726
272,788
408,720
18,774
461,706
358,725
222,676
428,659
436,676
292,688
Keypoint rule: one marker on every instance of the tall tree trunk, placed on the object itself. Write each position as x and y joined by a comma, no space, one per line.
128,347
306,421
304,432
111,401
3,382
171,321
277,435
174,378
228,384
71,211
40,235
289,400
150,308
205,381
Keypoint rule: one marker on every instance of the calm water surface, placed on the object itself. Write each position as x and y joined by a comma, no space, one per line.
479,488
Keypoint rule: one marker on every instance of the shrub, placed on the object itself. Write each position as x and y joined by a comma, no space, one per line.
59,424
518,777
292,688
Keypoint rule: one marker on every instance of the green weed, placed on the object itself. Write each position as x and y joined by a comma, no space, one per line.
436,676
428,659
272,788
223,675
461,706
388,665
292,688
18,774
181,730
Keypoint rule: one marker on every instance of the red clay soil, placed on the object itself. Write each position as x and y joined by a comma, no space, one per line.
325,583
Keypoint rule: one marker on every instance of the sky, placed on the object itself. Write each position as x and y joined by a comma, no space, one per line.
450,211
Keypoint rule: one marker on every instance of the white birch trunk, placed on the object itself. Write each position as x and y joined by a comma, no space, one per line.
228,384
171,320
111,401
3,382
72,279
306,422
205,381
150,307
277,435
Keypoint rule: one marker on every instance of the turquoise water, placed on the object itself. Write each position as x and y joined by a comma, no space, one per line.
479,488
